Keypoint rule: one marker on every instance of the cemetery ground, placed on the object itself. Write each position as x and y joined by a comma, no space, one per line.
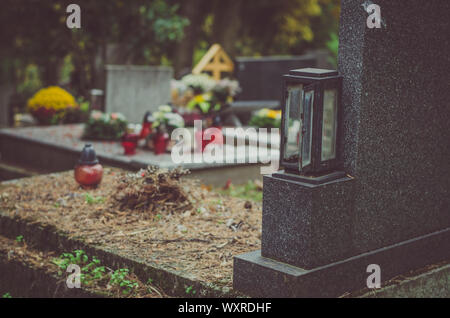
129,245
178,240
361,196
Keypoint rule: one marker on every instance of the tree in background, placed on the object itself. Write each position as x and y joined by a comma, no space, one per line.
35,32
255,27
36,46
123,32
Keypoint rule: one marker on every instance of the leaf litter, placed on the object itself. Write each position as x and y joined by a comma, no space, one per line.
157,216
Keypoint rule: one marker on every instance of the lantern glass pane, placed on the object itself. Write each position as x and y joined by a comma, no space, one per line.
329,124
307,128
292,123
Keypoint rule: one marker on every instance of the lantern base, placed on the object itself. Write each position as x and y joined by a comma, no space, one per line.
313,180
306,225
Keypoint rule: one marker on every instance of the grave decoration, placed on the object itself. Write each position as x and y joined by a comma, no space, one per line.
309,132
161,140
216,99
163,122
184,90
129,143
216,61
54,105
166,115
224,91
266,118
207,136
146,126
180,92
88,171
105,126
199,97
197,84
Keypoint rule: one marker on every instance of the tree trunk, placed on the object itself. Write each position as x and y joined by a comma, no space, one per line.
227,24
6,90
195,11
50,69
98,67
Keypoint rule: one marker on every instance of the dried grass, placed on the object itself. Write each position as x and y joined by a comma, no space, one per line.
195,232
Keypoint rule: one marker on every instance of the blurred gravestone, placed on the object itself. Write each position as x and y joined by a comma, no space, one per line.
260,77
133,90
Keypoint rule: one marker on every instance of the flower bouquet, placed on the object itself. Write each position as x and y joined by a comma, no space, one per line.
105,126
198,83
51,105
201,97
164,121
266,118
167,117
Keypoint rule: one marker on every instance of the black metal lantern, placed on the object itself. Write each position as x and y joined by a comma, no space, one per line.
311,108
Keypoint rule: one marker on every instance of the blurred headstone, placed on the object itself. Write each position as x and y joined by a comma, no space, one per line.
260,77
132,90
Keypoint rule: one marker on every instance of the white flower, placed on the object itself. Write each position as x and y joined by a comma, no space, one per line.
228,85
178,86
165,108
263,112
202,81
174,120
158,115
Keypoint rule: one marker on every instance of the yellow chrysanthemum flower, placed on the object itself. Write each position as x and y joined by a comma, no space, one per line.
52,98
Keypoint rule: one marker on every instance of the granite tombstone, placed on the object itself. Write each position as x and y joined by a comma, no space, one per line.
393,206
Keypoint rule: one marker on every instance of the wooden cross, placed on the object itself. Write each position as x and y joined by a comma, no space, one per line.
215,61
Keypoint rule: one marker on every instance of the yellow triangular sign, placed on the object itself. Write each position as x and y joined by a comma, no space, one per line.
216,61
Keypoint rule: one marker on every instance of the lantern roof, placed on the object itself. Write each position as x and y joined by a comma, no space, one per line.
313,72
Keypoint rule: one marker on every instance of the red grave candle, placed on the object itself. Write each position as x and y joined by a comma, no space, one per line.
88,171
